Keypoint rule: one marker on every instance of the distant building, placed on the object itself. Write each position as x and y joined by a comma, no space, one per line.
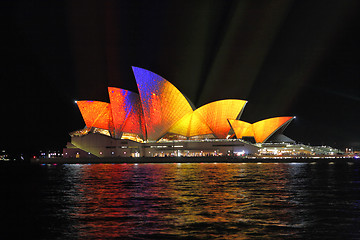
161,121
4,156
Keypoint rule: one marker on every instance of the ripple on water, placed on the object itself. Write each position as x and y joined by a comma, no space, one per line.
187,201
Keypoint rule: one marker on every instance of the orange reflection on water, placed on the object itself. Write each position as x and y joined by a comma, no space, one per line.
145,200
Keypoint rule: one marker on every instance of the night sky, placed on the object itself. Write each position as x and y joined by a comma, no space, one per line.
286,58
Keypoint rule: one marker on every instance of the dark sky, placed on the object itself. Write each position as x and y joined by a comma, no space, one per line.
284,57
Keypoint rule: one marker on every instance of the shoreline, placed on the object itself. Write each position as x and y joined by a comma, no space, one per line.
209,159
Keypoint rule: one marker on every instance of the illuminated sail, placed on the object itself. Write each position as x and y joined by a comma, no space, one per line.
216,114
96,114
265,128
126,112
191,125
241,128
160,108
163,104
261,130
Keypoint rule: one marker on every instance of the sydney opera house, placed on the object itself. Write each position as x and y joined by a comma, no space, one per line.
160,121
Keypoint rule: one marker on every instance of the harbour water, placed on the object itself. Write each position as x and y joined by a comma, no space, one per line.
181,201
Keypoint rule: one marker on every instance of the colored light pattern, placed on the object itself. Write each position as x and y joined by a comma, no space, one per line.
96,114
163,104
161,108
126,112
261,130
241,128
216,114
111,127
191,125
265,128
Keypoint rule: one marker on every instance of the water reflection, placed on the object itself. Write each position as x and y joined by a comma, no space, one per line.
196,201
